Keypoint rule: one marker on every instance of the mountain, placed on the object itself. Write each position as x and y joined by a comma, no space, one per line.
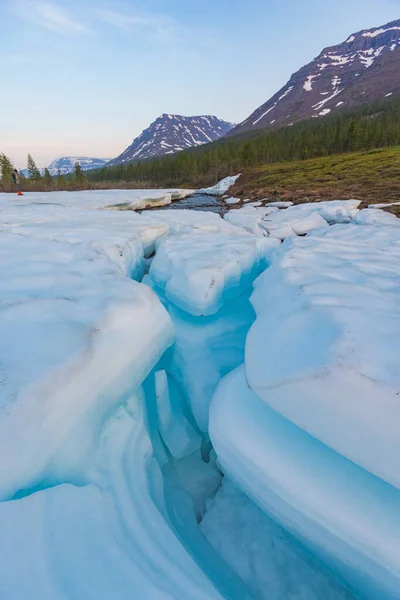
364,68
66,164
173,133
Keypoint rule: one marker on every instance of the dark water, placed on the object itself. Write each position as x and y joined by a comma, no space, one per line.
198,202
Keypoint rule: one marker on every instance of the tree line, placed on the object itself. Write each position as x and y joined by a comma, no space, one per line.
368,127
31,179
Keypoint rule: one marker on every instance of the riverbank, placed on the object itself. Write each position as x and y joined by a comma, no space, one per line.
368,176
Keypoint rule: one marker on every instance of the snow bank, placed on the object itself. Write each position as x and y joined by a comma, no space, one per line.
295,220
279,204
102,539
250,218
134,199
78,338
75,336
373,216
221,187
331,361
199,271
343,514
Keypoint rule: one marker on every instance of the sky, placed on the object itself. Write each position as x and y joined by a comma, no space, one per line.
84,78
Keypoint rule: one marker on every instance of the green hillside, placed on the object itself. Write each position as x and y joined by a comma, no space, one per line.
372,176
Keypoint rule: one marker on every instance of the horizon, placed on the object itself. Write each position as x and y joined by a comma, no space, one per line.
66,106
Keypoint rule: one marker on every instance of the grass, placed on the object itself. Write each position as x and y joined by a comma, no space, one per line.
372,177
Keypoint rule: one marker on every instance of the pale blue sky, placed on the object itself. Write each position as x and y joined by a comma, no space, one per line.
85,77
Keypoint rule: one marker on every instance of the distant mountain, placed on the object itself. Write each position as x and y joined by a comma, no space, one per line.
173,133
66,164
364,68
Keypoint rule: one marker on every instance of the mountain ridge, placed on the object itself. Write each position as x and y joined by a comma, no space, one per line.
169,134
363,68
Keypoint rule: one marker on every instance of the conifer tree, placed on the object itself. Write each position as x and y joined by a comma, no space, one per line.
33,171
60,181
6,169
47,178
78,173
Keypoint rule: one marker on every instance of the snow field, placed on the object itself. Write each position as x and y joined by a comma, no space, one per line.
106,390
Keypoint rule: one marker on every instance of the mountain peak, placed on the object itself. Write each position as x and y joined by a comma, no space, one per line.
364,68
169,134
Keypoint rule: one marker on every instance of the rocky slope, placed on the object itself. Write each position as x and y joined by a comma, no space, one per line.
364,68
172,133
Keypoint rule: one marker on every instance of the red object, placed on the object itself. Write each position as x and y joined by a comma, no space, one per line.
20,194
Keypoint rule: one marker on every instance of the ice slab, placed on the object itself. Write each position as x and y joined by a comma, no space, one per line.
232,200
221,187
249,218
199,271
347,517
295,220
75,336
373,216
104,539
325,346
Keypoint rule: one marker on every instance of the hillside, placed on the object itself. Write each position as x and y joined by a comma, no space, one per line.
372,176
173,133
366,128
364,68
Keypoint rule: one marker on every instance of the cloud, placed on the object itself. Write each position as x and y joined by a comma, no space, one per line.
161,27
49,15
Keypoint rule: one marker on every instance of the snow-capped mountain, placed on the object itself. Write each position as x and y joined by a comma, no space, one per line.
173,133
66,164
364,68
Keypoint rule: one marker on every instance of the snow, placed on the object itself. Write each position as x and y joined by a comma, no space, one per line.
75,374
380,31
373,216
279,204
308,83
249,218
384,205
128,341
342,307
231,200
343,515
260,551
78,342
295,220
221,187
319,105
324,112
285,93
197,272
